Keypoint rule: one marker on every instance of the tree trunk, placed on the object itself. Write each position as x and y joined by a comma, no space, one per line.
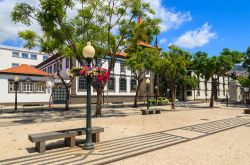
67,99
98,112
213,93
173,97
137,93
206,89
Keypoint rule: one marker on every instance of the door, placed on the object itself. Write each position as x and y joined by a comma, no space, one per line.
59,95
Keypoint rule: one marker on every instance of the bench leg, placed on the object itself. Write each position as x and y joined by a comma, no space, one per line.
157,112
40,146
96,137
151,112
70,141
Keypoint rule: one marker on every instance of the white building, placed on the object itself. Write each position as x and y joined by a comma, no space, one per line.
121,83
12,57
32,85
200,93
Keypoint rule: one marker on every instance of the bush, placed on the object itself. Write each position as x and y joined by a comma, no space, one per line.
160,101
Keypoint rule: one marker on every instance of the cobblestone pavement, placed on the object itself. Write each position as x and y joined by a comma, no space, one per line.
134,139
118,149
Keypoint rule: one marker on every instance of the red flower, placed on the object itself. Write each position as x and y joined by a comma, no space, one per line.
81,72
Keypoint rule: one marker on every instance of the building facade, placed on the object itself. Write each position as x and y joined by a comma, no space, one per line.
32,85
12,57
120,88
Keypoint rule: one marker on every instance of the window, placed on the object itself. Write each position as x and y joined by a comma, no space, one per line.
27,86
67,63
98,62
15,64
45,57
11,86
33,56
123,67
111,84
189,93
123,85
132,84
50,69
15,54
54,68
82,83
25,55
40,87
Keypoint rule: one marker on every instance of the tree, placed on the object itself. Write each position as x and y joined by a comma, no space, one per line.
108,24
246,63
214,67
140,61
174,65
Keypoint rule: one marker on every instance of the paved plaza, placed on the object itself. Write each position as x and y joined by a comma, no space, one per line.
194,134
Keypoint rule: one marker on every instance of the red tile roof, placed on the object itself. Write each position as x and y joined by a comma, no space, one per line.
145,44
24,70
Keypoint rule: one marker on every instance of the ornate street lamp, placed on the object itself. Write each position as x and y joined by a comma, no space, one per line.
147,82
88,53
156,93
16,84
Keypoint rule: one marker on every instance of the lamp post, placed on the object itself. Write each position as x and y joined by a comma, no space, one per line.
88,53
246,90
16,84
147,82
156,93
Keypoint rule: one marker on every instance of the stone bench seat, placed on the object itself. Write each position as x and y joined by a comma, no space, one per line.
151,111
68,135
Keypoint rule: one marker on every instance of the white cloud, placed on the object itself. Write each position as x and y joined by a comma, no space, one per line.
163,41
196,38
170,18
8,29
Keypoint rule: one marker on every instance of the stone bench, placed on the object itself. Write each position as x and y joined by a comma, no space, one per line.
30,106
151,111
68,135
117,104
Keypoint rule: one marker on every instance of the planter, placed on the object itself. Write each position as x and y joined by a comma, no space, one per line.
247,111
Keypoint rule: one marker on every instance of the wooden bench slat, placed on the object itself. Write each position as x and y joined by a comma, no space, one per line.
50,136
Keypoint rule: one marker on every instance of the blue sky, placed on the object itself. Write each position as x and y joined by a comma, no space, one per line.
227,19
194,25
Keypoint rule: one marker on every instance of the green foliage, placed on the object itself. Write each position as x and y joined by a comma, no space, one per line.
140,59
30,38
174,64
188,81
160,101
246,63
108,24
244,81
217,65
22,12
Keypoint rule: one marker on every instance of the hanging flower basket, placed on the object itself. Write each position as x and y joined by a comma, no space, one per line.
99,75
